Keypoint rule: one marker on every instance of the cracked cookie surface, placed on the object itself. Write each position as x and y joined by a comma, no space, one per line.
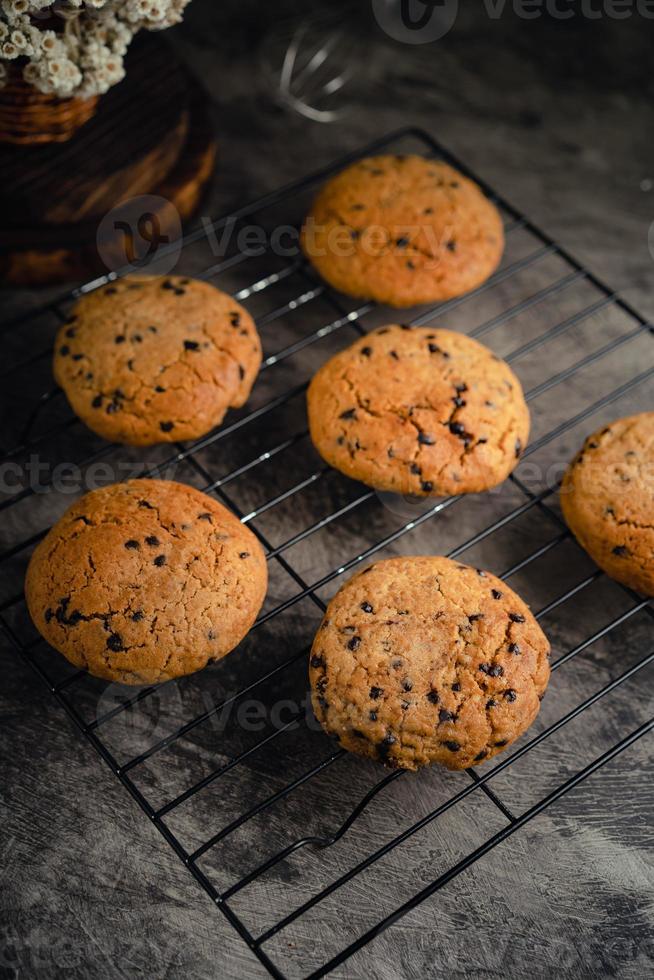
422,660
418,411
607,499
403,230
146,580
148,359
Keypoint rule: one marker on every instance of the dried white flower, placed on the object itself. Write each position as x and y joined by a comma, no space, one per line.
85,55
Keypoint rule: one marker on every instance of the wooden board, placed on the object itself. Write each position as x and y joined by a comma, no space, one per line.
151,135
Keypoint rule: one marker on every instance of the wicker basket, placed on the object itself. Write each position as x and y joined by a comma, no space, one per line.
27,116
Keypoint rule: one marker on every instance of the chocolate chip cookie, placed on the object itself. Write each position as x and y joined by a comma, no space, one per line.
607,499
148,359
146,580
422,660
419,411
403,230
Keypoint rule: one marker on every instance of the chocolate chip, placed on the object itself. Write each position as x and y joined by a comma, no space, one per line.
354,643
235,319
394,355
120,339
481,755
137,338
452,745
620,550
428,211
166,426
457,428
137,616
168,284
372,715
366,351
113,406
518,448
115,642
516,617
451,245
205,516
376,693
152,329
97,401
402,242
515,648
241,371
349,413
410,264
159,389
244,554
132,544
160,560
407,685
510,695
146,504
415,469
502,741
491,703
445,715
459,402
427,486
425,439
434,349
71,332
152,540
367,608
64,350
48,615
456,686
317,661
496,594
191,345
433,697
385,744
473,617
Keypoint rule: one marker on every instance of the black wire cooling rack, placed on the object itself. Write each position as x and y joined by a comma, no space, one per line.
272,820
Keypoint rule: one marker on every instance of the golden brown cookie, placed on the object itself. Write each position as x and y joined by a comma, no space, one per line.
403,230
422,660
145,580
418,411
150,359
607,499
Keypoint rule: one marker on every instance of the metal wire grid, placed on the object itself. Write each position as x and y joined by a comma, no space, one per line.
531,502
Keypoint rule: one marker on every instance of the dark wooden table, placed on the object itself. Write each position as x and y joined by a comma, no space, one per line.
558,116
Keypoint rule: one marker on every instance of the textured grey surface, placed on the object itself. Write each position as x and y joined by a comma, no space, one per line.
559,119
